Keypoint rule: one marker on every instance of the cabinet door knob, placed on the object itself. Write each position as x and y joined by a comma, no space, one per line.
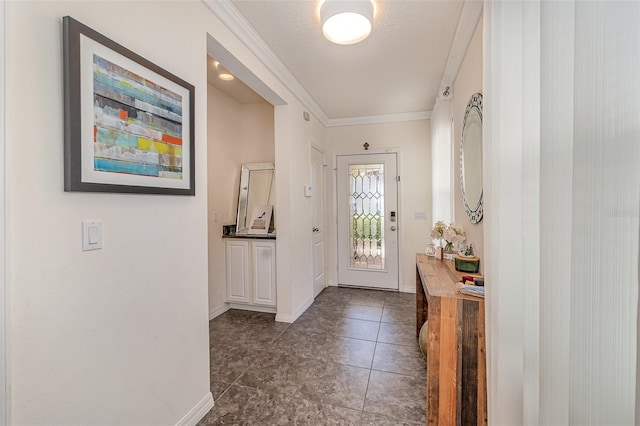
316,229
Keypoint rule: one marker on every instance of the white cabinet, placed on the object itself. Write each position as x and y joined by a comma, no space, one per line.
237,271
251,272
264,272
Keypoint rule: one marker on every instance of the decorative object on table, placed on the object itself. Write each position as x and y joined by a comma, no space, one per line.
471,290
471,159
423,339
468,250
448,235
260,220
467,264
129,124
228,230
430,250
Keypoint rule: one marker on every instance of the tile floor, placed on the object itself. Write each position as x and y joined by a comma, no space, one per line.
351,359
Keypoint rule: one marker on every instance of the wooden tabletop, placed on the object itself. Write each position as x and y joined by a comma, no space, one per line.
440,278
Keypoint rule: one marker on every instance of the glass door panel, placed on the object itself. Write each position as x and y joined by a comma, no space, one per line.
366,198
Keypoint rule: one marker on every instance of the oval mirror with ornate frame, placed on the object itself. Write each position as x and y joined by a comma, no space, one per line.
471,159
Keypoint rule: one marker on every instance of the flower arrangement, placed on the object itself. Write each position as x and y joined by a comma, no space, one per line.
452,233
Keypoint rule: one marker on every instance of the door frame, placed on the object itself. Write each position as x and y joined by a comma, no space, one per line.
398,151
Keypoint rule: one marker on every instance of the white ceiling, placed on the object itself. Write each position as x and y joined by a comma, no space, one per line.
399,69
234,88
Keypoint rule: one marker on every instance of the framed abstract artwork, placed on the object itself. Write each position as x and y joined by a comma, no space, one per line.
129,124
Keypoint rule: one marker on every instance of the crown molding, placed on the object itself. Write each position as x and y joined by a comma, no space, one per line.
233,19
467,23
377,119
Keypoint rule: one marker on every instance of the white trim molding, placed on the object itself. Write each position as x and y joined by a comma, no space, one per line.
377,119
219,311
469,18
198,412
253,308
291,318
233,19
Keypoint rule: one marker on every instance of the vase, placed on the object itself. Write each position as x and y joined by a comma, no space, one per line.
448,248
423,339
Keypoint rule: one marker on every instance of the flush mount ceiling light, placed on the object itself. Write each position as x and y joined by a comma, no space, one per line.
346,22
224,74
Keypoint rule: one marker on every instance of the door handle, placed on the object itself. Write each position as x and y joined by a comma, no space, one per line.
393,228
316,229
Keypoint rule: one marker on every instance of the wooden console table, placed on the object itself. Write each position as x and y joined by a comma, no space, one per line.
456,359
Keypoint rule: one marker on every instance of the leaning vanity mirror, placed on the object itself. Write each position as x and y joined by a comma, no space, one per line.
257,188
471,159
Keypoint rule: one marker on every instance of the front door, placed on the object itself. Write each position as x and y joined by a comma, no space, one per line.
317,198
368,220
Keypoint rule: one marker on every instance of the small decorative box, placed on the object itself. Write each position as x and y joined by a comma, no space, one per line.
467,264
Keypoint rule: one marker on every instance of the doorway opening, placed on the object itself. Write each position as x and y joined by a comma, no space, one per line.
240,131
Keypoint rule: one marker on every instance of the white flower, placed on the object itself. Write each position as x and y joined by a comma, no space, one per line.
438,230
452,233
449,234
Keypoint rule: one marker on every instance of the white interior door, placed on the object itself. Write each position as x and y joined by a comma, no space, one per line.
317,197
368,220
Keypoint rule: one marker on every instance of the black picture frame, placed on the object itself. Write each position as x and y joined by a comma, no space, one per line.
128,124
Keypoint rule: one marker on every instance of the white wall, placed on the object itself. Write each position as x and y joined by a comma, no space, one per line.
562,183
412,138
294,220
258,133
4,304
237,134
224,128
120,336
468,82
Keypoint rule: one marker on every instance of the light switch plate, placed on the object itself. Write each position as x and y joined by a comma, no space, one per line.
420,215
307,190
91,235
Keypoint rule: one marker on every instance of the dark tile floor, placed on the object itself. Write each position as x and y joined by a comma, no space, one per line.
351,359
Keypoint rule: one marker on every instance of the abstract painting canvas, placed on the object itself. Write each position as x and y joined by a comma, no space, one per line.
128,123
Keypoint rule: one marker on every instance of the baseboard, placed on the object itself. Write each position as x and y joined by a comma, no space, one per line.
218,311
255,308
291,318
411,289
198,412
